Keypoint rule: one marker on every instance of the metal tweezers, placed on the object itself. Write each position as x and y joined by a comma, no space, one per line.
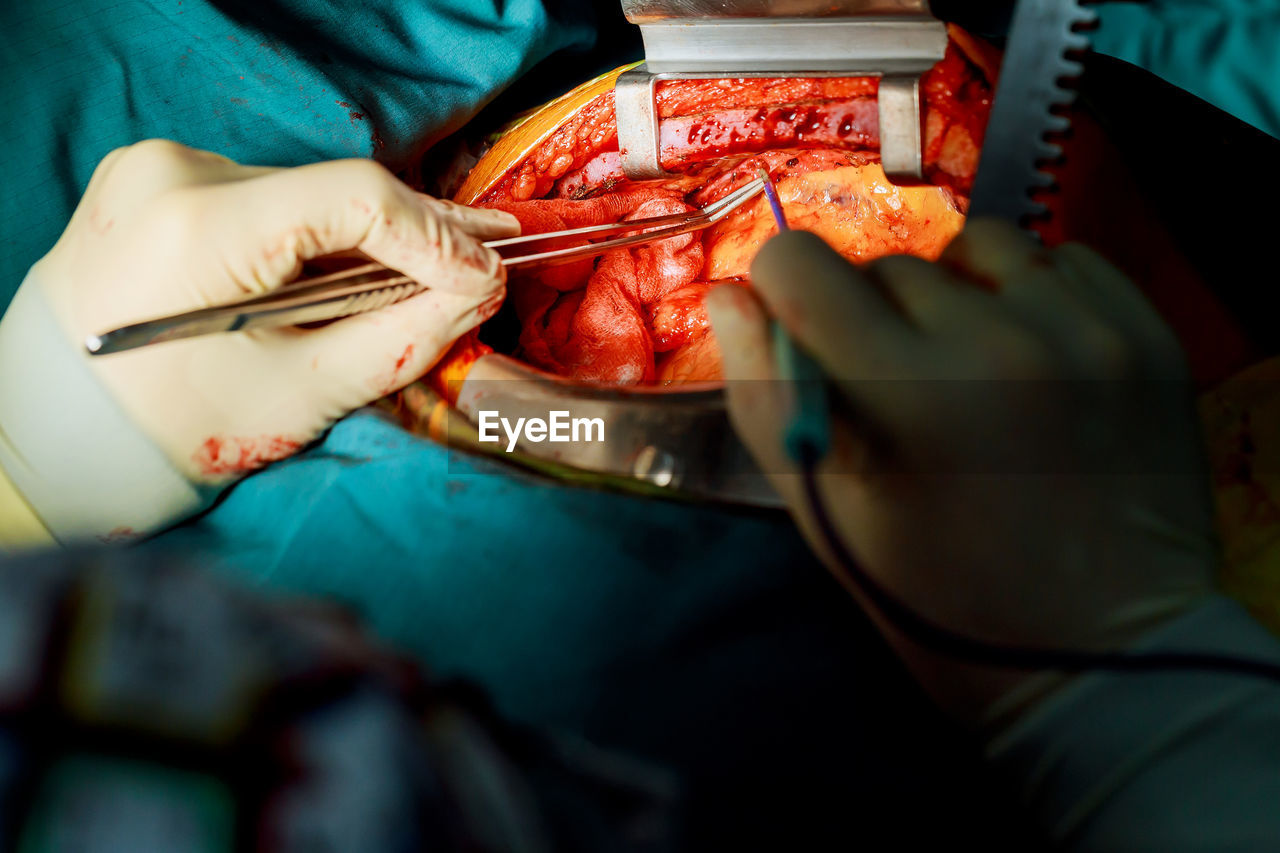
373,286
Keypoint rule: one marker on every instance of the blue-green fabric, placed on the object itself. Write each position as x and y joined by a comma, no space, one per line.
277,83
1224,51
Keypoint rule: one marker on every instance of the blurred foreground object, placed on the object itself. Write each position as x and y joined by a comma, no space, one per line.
149,707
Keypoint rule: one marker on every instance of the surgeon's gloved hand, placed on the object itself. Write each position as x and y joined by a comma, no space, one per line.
1015,455
130,442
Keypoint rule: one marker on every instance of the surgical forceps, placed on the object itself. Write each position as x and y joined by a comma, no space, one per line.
373,286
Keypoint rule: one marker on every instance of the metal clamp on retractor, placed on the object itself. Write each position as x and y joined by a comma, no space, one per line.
895,40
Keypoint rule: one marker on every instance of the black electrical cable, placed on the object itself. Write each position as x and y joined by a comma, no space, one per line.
972,650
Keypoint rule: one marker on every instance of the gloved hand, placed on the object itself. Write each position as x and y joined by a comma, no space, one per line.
1015,454
131,441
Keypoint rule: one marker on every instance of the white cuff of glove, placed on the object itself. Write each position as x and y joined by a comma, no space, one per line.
1102,759
84,467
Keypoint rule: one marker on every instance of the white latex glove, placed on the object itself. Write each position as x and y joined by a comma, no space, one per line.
127,443
1015,450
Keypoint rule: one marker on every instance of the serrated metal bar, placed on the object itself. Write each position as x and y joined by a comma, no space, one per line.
1022,120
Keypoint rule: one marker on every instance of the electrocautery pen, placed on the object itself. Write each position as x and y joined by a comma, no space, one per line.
808,436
